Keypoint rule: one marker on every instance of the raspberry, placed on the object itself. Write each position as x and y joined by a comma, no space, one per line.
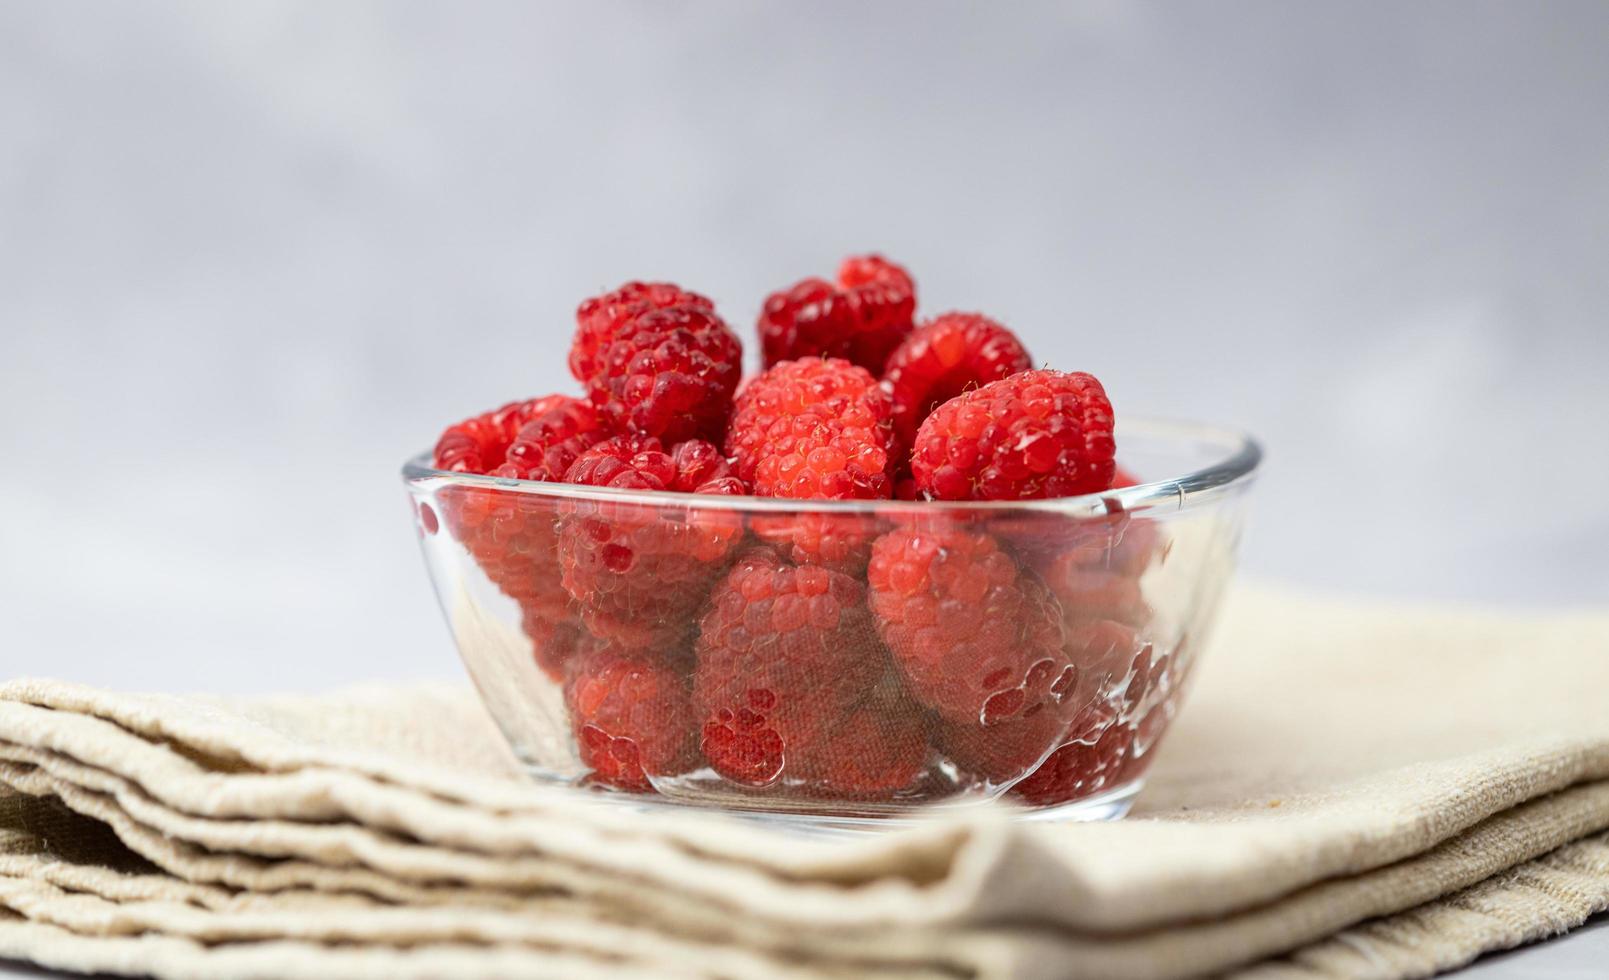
841,542
1034,434
1078,770
1118,674
862,318
640,463
555,638
815,429
1094,592
1101,749
978,639
1108,654
478,445
1002,753
550,440
598,319
1150,706
1131,686
1097,574
702,468
668,373
876,750
630,715
1093,565
785,653
944,357
511,534
638,570
1094,745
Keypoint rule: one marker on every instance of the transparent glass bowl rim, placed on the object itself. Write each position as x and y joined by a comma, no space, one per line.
1230,473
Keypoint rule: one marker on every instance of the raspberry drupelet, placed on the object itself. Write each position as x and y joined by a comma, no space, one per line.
944,357
1031,435
638,572
978,639
861,318
785,654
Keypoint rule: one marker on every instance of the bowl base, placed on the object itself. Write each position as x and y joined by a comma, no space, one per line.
1112,804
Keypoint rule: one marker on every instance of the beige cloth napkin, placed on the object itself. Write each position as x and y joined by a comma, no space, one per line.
1350,792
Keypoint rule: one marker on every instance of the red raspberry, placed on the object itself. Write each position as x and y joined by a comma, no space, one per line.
841,542
1097,575
1094,745
1034,434
555,639
1131,681
1107,653
999,754
478,445
1149,707
785,654
815,429
1093,565
862,318
510,534
978,639
638,462
1118,675
702,468
638,570
944,357
630,715
551,440
598,319
668,373
1078,770
1094,591
877,749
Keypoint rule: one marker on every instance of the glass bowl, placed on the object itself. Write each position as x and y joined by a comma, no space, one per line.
841,663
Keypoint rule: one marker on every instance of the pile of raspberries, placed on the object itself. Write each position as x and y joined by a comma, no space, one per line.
828,653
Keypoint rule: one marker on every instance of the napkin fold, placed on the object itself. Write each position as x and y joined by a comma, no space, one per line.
1351,791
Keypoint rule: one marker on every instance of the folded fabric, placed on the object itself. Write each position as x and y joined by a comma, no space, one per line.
1357,791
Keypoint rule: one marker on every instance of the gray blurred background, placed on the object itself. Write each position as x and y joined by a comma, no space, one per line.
252,256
